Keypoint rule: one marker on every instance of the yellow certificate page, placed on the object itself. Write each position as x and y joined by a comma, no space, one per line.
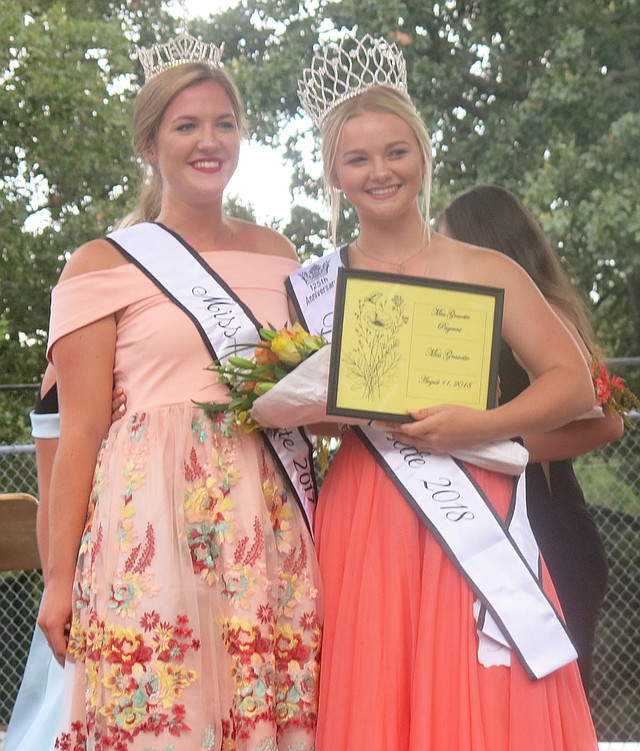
413,344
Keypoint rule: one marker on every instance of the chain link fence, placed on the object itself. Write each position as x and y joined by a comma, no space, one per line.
20,591
611,481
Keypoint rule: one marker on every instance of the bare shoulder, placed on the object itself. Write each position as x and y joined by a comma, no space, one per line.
573,331
472,264
95,255
265,240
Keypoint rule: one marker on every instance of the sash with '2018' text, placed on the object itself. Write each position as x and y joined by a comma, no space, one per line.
498,559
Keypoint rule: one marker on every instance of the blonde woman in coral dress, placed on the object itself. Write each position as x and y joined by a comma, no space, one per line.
187,607
401,666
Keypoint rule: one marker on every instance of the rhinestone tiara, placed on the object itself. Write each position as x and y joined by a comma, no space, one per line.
178,51
342,70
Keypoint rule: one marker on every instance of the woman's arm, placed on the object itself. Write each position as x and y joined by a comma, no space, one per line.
577,437
45,453
83,361
561,389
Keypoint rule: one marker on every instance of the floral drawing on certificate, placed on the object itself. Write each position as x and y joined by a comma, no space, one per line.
370,363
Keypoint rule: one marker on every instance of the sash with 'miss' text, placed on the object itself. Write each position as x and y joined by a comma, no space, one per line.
223,321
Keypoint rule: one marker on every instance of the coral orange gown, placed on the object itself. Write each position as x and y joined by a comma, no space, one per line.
399,661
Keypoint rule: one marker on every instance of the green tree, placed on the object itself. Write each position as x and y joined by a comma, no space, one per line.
540,97
68,78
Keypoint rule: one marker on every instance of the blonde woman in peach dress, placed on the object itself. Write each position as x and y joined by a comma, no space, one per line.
182,592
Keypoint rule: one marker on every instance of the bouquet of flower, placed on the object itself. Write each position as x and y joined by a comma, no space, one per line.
284,385
612,392
278,353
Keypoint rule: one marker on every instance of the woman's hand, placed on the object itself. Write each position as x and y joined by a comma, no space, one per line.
118,403
54,617
442,428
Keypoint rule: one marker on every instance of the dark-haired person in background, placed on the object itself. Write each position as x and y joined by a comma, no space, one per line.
493,217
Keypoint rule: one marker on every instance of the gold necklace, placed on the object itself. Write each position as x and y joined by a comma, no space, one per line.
400,267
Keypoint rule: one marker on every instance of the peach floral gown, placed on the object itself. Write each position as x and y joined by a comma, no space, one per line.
196,605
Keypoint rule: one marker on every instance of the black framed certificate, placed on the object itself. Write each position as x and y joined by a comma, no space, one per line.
402,342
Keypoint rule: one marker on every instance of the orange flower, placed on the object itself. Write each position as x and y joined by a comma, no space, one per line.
612,392
278,352
617,383
264,356
603,391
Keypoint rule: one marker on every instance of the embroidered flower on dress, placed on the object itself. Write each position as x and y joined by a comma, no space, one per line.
208,510
136,672
145,679
280,511
137,425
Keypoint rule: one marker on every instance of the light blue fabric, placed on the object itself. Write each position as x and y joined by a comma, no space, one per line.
45,424
36,713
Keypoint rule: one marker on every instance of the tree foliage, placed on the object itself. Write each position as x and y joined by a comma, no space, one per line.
540,97
68,78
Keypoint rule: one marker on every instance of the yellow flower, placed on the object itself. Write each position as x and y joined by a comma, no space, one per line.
306,342
279,352
247,423
284,345
297,332
295,344
173,680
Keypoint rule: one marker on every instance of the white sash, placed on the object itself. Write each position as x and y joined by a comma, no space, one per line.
312,290
498,559
223,321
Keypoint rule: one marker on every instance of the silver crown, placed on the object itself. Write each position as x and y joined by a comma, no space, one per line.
342,70
179,51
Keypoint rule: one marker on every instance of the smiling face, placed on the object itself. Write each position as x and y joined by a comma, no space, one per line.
378,165
197,146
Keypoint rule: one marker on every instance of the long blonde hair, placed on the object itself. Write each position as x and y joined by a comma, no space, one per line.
376,99
149,108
